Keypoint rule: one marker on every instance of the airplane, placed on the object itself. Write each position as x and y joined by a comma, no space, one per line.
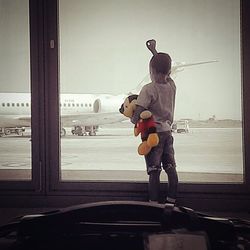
83,112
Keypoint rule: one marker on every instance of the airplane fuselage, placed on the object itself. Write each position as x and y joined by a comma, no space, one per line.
75,109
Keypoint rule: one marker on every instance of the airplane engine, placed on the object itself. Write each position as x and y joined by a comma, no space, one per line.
108,104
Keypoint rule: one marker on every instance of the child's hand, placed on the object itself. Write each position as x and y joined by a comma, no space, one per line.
145,114
151,44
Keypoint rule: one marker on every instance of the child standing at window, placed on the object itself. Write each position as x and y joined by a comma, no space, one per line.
159,98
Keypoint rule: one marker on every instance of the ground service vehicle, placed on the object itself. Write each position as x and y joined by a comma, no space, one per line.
11,131
181,126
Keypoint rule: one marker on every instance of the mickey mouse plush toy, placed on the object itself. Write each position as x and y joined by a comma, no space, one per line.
145,126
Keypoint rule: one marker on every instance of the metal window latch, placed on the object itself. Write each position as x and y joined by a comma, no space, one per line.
52,44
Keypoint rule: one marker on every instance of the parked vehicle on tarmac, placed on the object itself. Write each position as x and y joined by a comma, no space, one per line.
11,131
180,126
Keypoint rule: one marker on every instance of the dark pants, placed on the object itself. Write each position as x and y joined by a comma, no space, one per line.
162,156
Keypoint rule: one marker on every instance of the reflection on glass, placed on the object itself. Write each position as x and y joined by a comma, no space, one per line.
15,145
103,57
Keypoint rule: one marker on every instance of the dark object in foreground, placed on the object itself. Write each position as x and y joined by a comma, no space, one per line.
124,225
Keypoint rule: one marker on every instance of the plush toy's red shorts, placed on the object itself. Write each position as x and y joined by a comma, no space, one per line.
146,126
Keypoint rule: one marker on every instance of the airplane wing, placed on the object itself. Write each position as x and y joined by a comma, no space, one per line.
15,120
24,118
91,119
81,119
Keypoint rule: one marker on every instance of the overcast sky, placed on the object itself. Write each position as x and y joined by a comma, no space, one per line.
102,46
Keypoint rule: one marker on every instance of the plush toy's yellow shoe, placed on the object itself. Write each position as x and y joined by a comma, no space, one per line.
153,140
144,148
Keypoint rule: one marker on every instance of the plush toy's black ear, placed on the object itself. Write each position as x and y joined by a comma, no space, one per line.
132,97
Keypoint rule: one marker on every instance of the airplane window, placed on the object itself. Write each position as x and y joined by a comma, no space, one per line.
13,105
77,105
73,105
207,126
3,104
8,105
22,104
17,104
64,105
69,105
27,104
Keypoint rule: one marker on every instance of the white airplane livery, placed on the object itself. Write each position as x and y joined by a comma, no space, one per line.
83,112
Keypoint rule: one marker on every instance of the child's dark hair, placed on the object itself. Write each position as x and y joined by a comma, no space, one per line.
161,63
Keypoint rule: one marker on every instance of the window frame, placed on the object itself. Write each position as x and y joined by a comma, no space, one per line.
34,185
184,188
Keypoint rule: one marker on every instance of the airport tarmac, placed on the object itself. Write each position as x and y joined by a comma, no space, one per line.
203,154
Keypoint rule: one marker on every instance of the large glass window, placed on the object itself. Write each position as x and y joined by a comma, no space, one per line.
15,107
103,58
